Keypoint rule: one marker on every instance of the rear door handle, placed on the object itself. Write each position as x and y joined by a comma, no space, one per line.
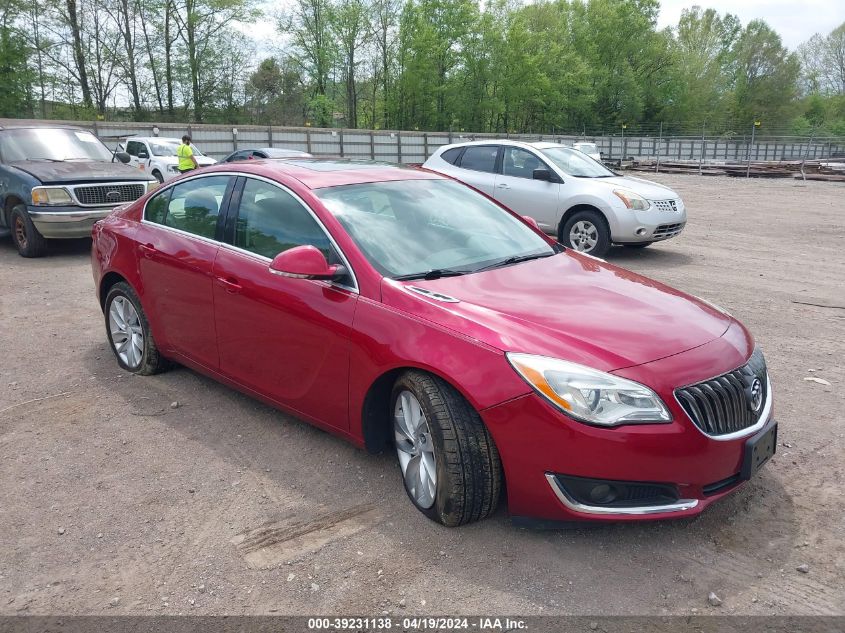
230,283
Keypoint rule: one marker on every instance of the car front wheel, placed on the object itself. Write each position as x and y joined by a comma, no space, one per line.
587,232
449,463
129,332
27,239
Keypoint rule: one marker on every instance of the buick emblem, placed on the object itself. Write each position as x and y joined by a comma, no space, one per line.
755,395
113,196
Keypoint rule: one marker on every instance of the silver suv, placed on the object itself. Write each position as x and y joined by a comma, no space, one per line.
570,195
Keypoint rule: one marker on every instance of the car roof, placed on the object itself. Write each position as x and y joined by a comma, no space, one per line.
504,141
316,173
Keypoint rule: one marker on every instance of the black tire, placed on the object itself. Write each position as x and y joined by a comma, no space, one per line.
469,471
157,175
27,239
638,245
602,232
151,362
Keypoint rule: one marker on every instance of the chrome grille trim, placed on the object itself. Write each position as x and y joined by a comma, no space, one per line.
719,408
665,231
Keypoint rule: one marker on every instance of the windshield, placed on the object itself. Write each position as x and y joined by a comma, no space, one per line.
409,227
587,148
576,163
52,144
168,148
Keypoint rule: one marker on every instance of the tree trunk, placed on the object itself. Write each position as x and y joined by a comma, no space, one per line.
78,55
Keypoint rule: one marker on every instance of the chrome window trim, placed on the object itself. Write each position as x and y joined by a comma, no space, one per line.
575,506
354,288
765,414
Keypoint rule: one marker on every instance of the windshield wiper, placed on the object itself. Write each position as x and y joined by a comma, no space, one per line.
514,260
434,273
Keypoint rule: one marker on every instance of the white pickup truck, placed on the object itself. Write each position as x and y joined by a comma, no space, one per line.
156,155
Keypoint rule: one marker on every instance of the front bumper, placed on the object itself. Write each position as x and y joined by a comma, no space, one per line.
653,225
538,445
66,222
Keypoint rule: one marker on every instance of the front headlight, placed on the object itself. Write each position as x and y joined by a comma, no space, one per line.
632,200
173,168
589,395
152,185
50,195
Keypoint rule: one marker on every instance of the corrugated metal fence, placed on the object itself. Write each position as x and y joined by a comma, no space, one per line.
414,147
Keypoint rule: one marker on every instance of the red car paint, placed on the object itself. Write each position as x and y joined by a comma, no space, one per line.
218,310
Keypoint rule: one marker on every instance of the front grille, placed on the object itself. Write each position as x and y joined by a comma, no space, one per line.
665,231
665,205
723,404
94,195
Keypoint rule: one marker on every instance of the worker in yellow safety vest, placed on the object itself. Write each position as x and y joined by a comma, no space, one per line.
187,160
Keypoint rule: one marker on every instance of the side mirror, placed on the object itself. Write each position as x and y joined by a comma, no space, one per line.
123,157
531,221
304,262
542,174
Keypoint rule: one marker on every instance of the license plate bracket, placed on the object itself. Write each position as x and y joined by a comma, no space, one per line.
759,449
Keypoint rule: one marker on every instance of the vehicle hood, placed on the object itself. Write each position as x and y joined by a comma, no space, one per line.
203,161
567,306
645,188
78,171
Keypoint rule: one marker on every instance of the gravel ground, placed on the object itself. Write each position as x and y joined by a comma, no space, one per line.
114,501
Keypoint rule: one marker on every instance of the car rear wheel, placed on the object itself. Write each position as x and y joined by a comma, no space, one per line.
27,239
587,232
129,332
449,463
638,245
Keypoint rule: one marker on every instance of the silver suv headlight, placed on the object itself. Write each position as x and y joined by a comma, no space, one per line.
589,395
632,200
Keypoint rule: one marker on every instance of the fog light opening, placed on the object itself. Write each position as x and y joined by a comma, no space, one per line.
603,494
641,231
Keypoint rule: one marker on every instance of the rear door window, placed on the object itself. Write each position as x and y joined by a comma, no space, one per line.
451,155
480,158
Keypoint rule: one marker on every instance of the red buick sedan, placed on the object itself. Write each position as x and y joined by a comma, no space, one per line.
398,308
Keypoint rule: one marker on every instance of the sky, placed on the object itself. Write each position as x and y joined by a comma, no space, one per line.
795,20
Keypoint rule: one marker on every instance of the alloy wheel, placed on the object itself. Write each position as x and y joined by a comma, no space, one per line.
583,236
127,335
415,449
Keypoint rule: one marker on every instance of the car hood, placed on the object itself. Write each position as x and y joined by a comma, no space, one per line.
567,306
203,161
645,188
78,171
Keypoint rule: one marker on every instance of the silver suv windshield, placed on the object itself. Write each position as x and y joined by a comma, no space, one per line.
576,163
51,144
430,228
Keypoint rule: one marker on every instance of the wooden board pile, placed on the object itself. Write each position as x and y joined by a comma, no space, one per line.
830,169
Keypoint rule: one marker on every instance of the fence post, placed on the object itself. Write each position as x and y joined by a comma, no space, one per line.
235,139
610,147
340,140
270,135
659,142
372,144
425,145
750,143
308,139
703,148
399,146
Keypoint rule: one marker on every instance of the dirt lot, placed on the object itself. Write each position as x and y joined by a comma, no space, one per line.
113,502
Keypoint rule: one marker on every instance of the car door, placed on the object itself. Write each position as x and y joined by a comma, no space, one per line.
178,242
477,167
285,338
132,148
517,189
144,157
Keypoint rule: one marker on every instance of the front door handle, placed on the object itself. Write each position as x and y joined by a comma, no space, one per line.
503,185
148,250
230,283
